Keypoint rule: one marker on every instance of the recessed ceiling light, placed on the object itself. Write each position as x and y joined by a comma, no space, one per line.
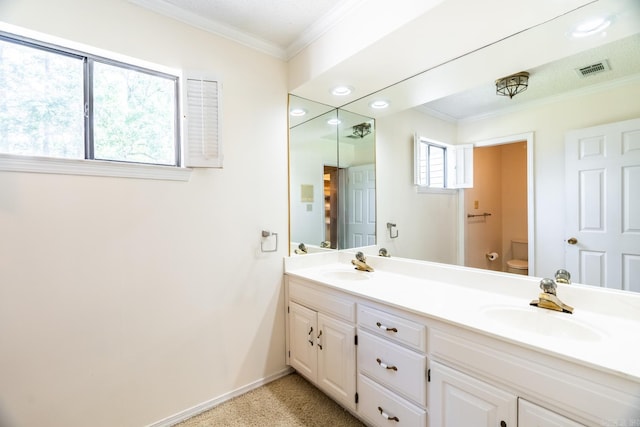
297,112
334,121
590,27
379,104
342,90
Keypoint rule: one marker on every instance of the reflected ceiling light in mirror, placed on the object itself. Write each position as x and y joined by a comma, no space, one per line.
342,90
361,130
513,84
334,122
590,27
298,112
379,104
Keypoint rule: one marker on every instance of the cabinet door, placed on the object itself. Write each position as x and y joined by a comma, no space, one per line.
456,399
530,415
337,359
303,330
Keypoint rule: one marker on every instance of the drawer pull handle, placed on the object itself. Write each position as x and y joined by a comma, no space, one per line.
386,328
385,366
386,416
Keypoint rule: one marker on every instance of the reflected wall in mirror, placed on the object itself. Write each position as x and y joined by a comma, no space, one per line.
331,176
603,99
456,103
559,99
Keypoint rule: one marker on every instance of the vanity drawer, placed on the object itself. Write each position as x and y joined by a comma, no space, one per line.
322,300
404,331
398,368
381,407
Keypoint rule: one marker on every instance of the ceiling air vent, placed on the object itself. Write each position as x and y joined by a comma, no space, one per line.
592,69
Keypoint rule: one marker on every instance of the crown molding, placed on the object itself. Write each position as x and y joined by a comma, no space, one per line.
311,34
212,26
322,26
437,114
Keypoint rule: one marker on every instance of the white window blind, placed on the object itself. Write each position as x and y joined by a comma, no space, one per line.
203,147
460,167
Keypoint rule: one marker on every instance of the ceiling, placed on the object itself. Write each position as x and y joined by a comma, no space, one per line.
278,27
283,28
548,81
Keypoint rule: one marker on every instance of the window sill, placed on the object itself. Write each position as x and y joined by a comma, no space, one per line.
12,163
421,189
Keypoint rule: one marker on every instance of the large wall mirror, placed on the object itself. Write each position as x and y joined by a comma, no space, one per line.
456,103
331,177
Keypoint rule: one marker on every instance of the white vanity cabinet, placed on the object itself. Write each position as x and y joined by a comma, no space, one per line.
418,366
321,343
505,379
456,399
531,415
392,369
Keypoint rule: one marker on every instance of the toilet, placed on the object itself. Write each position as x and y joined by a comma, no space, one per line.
520,253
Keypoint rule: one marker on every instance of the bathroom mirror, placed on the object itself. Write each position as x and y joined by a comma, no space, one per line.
559,99
331,177
431,226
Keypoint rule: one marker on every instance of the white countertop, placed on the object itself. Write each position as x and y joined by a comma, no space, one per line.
602,332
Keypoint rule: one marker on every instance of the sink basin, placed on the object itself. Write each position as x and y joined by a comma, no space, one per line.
345,275
543,322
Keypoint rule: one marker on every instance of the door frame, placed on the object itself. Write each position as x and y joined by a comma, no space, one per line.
529,137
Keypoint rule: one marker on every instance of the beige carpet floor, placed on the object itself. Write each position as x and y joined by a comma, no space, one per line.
288,401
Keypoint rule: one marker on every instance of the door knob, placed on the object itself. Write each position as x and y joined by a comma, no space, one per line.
572,241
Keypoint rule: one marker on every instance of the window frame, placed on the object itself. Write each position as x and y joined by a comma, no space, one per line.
457,166
89,165
445,167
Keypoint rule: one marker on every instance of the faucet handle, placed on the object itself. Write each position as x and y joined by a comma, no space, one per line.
563,276
548,286
360,257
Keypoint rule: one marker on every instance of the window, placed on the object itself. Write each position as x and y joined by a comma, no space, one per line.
60,103
438,165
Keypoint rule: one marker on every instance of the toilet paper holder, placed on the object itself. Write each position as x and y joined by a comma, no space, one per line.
492,256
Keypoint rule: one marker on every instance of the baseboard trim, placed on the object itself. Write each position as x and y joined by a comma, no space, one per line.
205,406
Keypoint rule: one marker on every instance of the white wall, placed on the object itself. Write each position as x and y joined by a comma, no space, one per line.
309,159
427,223
550,122
125,301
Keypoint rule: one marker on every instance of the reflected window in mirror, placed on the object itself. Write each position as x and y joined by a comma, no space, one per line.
438,165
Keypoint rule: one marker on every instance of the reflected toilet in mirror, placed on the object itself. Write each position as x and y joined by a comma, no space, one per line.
519,263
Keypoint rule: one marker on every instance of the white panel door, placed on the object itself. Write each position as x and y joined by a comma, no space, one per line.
361,206
303,329
530,415
337,359
456,399
603,205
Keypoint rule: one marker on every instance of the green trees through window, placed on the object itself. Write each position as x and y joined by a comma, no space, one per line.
61,103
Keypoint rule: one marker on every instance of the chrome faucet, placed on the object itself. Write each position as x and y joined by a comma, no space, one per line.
361,262
563,276
548,298
384,252
302,249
